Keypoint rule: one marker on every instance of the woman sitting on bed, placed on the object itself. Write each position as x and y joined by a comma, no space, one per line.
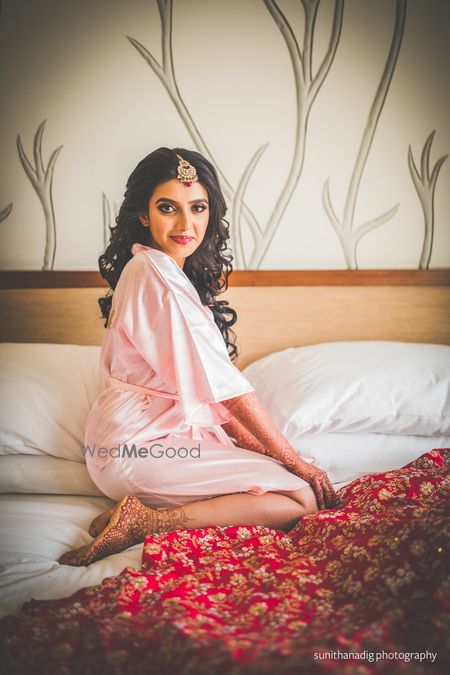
179,438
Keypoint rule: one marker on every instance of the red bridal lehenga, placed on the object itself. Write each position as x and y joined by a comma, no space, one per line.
361,589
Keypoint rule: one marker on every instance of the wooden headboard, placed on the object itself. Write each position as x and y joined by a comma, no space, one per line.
276,309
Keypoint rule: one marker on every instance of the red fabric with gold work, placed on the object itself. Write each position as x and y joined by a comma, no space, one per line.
368,578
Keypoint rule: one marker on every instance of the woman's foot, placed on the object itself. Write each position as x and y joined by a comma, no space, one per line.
99,523
130,522
119,528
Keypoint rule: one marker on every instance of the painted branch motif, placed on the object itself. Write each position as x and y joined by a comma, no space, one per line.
348,236
307,87
106,212
41,178
5,212
166,74
109,213
425,184
237,204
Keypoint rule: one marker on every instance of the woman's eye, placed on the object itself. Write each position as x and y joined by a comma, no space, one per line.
169,208
165,208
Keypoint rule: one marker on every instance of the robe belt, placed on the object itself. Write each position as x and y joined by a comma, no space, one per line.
196,429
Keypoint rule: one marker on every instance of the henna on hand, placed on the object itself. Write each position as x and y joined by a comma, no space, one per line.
319,482
249,412
242,436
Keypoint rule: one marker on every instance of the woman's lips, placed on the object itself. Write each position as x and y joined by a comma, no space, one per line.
183,240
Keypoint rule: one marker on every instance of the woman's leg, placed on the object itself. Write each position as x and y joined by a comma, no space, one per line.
305,497
270,509
131,521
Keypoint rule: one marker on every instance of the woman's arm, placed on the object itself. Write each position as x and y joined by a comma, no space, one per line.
243,438
250,413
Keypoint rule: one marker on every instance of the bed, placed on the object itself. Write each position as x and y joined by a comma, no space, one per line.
355,369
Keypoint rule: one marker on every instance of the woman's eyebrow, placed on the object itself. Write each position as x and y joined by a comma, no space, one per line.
172,201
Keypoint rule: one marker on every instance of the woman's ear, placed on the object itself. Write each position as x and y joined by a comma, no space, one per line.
144,219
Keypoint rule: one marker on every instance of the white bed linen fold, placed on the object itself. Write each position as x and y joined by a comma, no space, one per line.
34,531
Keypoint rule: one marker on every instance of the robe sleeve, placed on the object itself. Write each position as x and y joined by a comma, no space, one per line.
187,350
138,301
179,339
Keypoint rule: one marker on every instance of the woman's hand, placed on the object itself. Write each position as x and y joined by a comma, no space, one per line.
318,480
249,412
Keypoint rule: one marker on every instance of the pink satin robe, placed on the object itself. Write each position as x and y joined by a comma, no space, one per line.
161,337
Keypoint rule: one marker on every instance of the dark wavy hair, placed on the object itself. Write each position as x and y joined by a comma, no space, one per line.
208,268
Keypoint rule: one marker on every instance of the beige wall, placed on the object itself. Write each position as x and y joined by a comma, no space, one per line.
71,63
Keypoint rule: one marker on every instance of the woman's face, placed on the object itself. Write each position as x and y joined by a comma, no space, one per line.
177,217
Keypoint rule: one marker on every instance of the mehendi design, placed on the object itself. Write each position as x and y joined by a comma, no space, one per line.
110,318
250,413
130,523
243,437
166,520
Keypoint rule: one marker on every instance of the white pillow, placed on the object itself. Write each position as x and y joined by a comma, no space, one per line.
343,456
346,457
46,391
383,387
34,474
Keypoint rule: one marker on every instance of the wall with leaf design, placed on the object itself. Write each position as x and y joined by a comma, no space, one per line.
328,121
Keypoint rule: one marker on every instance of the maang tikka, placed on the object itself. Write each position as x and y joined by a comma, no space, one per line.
186,173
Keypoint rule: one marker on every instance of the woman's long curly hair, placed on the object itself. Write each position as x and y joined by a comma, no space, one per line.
208,268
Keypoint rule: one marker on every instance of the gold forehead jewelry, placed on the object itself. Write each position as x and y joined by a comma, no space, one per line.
187,173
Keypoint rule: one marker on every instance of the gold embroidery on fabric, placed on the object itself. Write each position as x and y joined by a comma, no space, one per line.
110,318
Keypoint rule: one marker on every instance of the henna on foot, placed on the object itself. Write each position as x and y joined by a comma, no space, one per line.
100,522
129,524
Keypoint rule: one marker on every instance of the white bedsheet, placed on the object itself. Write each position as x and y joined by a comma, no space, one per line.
34,531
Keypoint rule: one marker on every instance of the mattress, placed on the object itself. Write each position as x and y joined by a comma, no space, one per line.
354,408
34,531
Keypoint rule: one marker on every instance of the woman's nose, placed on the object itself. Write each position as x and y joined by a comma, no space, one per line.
184,221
